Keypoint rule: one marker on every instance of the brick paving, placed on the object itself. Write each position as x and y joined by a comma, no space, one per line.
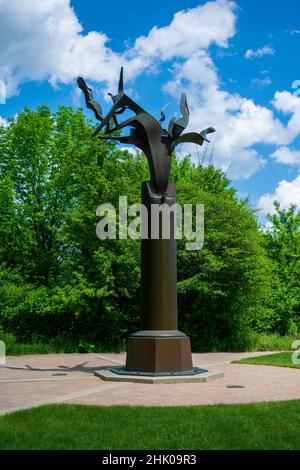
28,381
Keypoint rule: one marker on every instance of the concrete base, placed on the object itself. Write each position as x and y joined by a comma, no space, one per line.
107,374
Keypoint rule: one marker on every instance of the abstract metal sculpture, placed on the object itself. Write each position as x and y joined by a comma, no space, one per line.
159,348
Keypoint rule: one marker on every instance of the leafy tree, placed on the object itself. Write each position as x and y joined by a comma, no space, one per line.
283,245
58,282
53,177
224,287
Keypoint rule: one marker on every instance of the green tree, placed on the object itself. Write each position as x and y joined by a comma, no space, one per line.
224,288
65,283
282,241
59,282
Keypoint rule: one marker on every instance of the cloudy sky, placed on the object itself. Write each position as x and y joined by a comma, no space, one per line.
238,62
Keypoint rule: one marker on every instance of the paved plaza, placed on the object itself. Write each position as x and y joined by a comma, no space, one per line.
29,381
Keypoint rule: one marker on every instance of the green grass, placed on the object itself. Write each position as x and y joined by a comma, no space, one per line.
268,342
283,359
251,342
18,349
253,426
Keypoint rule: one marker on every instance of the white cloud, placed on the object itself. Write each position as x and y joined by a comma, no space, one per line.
190,30
3,121
286,102
286,193
241,124
287,156
265,50
44,40
289,104
294,32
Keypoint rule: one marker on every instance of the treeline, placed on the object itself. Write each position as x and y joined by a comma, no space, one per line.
60,284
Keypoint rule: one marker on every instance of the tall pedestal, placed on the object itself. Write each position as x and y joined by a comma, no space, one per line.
159,348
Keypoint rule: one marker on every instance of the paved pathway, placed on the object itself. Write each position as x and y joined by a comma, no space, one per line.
28,381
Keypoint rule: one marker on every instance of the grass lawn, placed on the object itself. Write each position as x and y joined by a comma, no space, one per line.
283,359
20,349
253,426
255,342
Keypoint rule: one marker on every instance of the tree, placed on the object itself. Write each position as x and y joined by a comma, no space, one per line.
60,283
225,287
282,240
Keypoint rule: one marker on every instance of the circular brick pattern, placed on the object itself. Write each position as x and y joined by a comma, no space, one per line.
28,381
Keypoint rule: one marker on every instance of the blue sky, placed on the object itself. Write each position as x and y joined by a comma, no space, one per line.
235,60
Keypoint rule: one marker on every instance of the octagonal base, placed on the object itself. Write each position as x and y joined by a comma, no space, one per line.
109,375
159,352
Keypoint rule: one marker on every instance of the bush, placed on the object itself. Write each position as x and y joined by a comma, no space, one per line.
60,285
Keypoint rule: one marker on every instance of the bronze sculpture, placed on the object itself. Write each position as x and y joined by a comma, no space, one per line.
159,348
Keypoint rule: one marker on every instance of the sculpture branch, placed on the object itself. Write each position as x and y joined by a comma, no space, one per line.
146,132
